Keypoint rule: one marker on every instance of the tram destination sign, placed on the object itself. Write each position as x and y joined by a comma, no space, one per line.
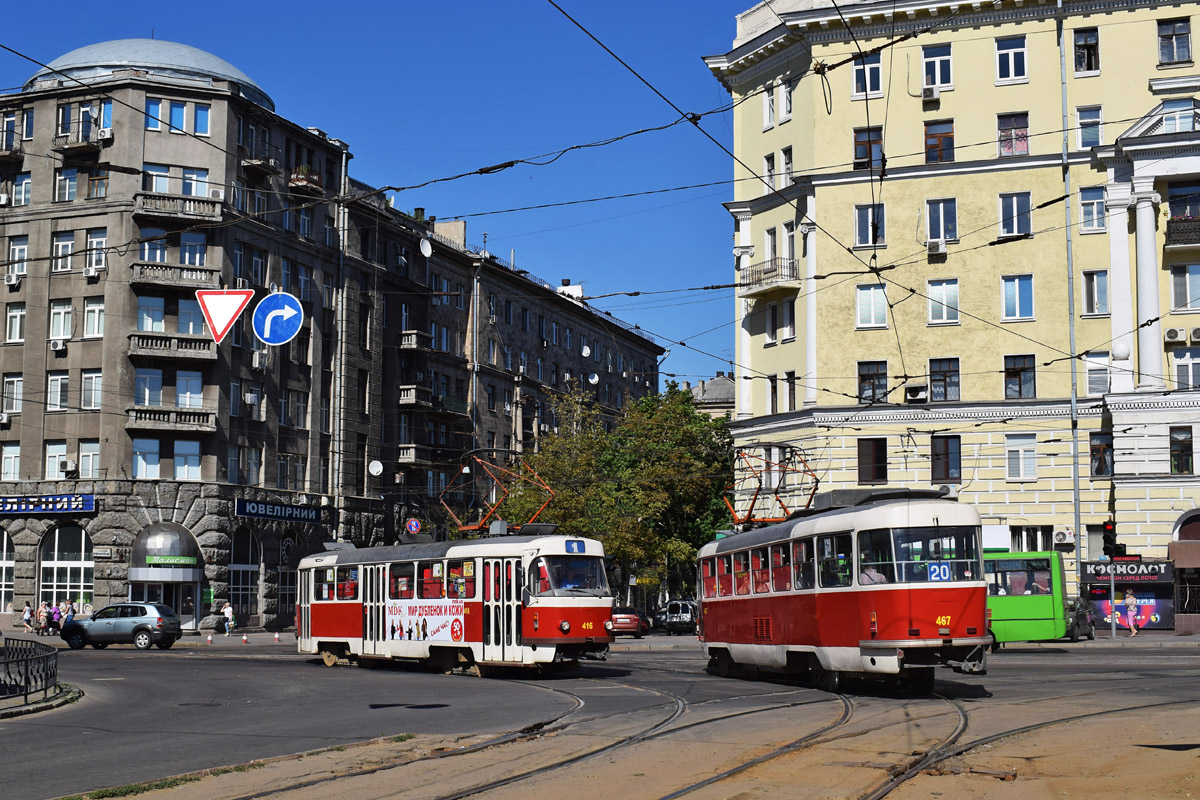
48,504
278,511
1129,572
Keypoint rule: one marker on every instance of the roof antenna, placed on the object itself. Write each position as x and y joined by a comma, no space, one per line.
152,33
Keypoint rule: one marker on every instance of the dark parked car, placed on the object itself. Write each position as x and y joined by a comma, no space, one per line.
629,621
659,620
139,624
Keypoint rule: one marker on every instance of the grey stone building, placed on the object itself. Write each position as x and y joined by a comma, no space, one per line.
141,459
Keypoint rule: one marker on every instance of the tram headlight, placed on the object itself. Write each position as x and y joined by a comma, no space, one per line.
564,626
608,625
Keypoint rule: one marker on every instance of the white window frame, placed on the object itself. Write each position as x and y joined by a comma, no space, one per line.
1186,370
1022,283
22,189
867,73
788,325
156,178
942,203
769,172
146,464
18,255
871,306
60,319
89,458
14,391
10,461
1191,273
1093,209
771,326
97,244
91,396
186,454
1096,299
63,248
195,182
1015,57
147,387
66,184
14,322
785,93
785,167
1020,456
93,317
943,301
939,61
1089,118
1096,372
769,107
864,216
151,314
58,386
189,389
56,452
153,112
1011,215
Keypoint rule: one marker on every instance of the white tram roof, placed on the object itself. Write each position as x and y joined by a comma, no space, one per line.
497,546
891,513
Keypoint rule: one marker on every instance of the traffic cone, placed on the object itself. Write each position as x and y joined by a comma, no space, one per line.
210,638
276,637
245,639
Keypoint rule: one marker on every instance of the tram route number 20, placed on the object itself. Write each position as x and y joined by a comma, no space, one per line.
939,572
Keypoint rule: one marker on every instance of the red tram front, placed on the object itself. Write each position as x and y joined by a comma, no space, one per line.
889,587
478,604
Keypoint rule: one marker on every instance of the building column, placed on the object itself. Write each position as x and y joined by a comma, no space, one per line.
1149,331
809,230
743,251
1120,284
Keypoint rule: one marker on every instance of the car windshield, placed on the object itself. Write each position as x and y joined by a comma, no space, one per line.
568,575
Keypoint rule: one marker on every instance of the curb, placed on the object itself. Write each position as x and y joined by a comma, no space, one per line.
68,695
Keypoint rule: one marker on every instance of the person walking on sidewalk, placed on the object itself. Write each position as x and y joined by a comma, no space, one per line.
228,612
1131,610
27,617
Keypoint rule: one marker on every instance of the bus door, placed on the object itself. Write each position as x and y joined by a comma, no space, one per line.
374,579
501,609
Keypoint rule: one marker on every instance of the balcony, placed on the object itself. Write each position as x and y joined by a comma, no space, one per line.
409,454
1183,232
415,340
305,179
769,276
11,147
170,418
172,276
260,156
412,395
172,345
81,136
449,405
176,206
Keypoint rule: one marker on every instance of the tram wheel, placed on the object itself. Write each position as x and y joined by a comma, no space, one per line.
721,665
329,658
827,680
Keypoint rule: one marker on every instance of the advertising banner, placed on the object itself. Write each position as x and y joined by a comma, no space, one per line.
1155,605
420,620
1129,572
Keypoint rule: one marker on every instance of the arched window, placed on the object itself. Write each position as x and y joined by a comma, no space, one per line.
67,566
287,583
245,567
1190,530
7,562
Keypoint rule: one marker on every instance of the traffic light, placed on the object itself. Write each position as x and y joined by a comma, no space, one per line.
1110,538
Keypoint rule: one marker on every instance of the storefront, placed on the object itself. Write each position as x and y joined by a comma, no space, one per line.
166,567
1152,583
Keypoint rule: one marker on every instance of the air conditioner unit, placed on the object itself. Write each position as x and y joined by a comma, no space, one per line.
12,279
1175,335
936,247
250,398
3,199
545,343
5,419
217,194
104,134
259,360
931,93
1195,335
916,393
545,428
491,319
58,344
625,374
91,272
610,369
521,370
242,283
66,466
1064,539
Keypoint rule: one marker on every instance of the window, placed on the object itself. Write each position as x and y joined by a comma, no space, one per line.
10,461
195,182
145,459
867,71
943,301
65,183
18,252
304,217
1091,201
245,563
868,147
834,559
64,251
60,319
97,243
189,390
62,125
1013,134
936,60
945,459
200,119
1096,367
1014,214
788,309
872,460
178,111
1090,129
1018,297
869,225
155,178
789,241
187,460
1185,287
769,172
939,141
943,379
1101,454
56,391
150,314
1181,451
1183,200
190,318
22,189
14,324
154,246
93,386
93,316
97,183
943,219
56,453
786,154
1178,115
772,325
14,388
1087,51
768,107
1187,368
27,118
1019,378
1174,43
769,253
193,249
785,91
1095,291
153,110
872,381
147,387
1010,60
872,306
1020,456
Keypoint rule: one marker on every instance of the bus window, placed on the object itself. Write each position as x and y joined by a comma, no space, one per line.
400,582
760,572
875,563
834,554
347,583
708,577
323,582
781,568
724,576
1019,576
741,573
802,557
460,579
431,579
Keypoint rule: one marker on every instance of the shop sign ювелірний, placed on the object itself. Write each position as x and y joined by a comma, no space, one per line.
278,511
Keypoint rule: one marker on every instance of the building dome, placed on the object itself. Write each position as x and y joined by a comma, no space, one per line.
155,56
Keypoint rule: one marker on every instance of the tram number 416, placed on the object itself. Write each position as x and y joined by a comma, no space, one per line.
939,572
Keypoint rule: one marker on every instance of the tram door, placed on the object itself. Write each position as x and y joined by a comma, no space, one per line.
501,609
305,594
374,609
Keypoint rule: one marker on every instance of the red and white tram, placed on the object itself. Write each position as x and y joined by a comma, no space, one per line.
892,586
507,601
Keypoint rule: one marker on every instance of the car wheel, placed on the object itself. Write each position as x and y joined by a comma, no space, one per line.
1074,632
142,640
76,640
99,645
165,644
637,635
1091,634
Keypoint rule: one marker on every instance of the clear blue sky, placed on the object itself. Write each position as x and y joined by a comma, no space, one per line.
429,90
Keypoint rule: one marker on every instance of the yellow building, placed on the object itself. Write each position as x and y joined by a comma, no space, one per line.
947,216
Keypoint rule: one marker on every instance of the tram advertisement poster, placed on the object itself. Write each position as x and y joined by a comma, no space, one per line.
425,620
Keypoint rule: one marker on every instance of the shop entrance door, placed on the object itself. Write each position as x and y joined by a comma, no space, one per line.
181,597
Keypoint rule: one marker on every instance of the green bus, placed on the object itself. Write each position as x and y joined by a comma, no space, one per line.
1027,599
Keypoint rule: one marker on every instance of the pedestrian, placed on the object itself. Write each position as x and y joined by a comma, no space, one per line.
1131,610
228,612
70,612
53,620
27,617
43,619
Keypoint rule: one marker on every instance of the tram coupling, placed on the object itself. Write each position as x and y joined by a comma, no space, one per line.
969,665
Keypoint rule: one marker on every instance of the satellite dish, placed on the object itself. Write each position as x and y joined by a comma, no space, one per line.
587,351
426,248
593,379
375,468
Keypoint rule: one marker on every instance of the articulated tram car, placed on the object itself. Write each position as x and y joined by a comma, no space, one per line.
891,587
511,601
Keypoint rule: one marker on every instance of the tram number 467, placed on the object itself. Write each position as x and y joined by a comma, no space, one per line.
939,572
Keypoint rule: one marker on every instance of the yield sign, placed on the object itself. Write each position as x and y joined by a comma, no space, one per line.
222,307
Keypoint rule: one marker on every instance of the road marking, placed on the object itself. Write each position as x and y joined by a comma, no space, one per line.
108,679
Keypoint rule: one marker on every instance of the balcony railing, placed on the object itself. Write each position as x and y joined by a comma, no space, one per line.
11,146
176,206
172,345
415,340
1183,232
81,135
257,154
412,454
450,405
170,418
305,179
766,276
148,273
412,395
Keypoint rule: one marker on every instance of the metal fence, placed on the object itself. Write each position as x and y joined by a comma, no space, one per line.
26,668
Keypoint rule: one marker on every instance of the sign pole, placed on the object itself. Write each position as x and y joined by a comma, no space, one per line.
1112,601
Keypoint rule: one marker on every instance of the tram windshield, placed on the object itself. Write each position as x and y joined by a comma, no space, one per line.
568,575
919,555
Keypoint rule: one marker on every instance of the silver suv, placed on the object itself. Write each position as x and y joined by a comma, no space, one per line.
139,624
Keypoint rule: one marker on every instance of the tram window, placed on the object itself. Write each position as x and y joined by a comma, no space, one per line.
759,570
540,574
834,559
708,576
724,576
802,557
323,583
431,579
781,568
875,564
460,579
937,554
400,581
741,573
347,583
